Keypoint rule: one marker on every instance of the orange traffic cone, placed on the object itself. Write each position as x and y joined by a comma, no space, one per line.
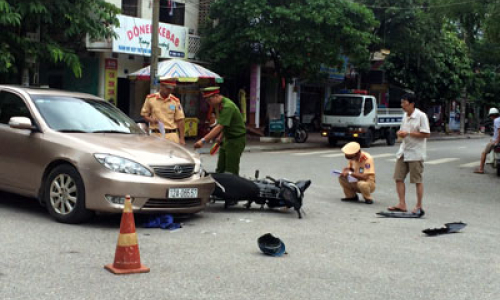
127,257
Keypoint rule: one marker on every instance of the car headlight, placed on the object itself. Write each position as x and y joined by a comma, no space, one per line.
122,165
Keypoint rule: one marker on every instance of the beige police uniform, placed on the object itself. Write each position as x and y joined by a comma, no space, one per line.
364,165
166,110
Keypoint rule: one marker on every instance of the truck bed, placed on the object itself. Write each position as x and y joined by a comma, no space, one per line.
389,116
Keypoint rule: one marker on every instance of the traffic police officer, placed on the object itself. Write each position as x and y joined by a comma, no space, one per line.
164,107
360,167
230,129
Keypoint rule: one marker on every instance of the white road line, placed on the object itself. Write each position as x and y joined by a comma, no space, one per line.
440,161
334,155
391,159
470,165
383,155
315,152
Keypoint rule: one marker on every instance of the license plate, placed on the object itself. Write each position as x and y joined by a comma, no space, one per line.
183,193
338,133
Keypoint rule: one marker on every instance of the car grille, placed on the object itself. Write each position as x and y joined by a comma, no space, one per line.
172,203
174,172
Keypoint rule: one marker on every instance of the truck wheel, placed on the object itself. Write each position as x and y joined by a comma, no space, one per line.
390,137
367,141
332,141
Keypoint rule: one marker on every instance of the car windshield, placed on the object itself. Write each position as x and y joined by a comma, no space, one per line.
69,114
343,106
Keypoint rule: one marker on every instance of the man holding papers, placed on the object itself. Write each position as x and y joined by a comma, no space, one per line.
360,167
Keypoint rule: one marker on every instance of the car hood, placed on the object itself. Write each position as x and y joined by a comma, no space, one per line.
143,149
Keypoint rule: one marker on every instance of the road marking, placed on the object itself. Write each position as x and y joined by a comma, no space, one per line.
391,159
333,155
315,152
383,155
463,147
440,161
470,165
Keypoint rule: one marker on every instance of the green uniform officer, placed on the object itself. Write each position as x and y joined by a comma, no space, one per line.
230,129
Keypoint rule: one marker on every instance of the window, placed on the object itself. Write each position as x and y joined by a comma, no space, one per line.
172,12
12,106
343,106
130,8
368,106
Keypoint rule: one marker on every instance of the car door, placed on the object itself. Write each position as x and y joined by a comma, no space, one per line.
17,147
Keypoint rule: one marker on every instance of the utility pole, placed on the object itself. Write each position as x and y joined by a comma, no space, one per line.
155,50
463,105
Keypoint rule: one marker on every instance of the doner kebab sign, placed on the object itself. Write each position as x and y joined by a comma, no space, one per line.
134,37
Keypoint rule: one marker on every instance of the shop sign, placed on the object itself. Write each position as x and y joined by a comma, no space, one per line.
111,80
134,37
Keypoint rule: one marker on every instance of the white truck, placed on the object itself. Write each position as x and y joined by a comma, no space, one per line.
355,117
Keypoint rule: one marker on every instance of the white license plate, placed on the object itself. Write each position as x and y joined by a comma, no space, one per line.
183,193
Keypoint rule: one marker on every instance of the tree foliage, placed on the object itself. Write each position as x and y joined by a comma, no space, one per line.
62,26
296,35
428,55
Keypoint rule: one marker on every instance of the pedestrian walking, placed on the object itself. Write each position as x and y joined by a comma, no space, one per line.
230,131
414,132
494,115
362,168
164,111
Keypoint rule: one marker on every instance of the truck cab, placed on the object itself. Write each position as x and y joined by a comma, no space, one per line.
356,117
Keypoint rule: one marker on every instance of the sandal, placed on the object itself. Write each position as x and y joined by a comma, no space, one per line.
395,208
478,171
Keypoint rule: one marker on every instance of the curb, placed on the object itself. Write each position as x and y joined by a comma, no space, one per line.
277,146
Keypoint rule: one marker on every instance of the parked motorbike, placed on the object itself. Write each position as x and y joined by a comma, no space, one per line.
436,124
493,158
297,130
274,193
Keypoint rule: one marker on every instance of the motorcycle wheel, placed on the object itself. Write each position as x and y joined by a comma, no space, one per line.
301,135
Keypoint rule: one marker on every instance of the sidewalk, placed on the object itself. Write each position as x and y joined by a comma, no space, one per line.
315,140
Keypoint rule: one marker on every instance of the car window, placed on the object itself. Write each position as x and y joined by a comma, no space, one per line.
12,105
368,106
71,114
343,106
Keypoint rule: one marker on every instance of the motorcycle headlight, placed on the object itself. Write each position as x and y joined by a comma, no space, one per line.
122,165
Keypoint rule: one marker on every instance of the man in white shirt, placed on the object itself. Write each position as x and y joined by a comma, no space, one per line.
494,115
414,131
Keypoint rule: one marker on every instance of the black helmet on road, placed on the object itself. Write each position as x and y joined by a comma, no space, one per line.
271,245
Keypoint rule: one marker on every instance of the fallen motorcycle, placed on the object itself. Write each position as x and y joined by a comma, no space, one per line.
274,193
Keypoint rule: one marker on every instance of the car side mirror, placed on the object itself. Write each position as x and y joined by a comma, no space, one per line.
21,123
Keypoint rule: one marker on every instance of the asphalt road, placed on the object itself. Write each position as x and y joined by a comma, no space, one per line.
337,251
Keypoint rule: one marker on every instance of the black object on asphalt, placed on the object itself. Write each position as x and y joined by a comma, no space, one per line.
449,228
410,215
271,245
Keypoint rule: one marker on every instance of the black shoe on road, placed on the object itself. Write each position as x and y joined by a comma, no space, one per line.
369,201
352,199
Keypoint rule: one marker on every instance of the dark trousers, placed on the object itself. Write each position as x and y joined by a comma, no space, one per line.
229,155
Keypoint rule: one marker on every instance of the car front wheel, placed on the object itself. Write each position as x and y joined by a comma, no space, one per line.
64,195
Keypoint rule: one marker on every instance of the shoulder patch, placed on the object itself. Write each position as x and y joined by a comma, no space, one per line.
367,166
151,96
172,97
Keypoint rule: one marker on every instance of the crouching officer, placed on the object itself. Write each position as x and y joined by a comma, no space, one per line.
230,129
164,107
360,167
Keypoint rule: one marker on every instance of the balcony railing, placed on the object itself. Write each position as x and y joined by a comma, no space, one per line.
194,45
